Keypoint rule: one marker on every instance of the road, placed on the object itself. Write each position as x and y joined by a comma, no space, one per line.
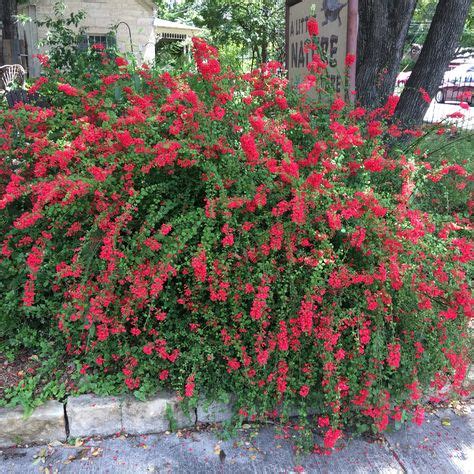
438,112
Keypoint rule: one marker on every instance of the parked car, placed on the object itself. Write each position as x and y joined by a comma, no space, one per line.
458,85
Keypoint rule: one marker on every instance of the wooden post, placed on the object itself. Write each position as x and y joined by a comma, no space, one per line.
352,29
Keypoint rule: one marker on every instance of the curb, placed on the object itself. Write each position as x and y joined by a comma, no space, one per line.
90,415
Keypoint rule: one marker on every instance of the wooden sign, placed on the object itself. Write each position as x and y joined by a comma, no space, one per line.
337,37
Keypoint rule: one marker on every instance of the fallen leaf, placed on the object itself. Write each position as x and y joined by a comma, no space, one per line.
96,451
446,422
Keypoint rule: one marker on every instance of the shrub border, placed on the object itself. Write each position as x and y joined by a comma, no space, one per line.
90,415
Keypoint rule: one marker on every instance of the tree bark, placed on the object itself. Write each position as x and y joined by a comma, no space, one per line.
383,27
10,32
438,50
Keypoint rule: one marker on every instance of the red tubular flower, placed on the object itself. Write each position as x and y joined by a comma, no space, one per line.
190,385
350,59
68,90
331,437
125,138
199,266
304,391
393,358
425,95
247,141
206,59
121,62
313,26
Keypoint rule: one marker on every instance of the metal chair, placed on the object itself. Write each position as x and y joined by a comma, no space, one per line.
11,75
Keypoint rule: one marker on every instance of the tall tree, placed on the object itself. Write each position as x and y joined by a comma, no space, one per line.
255,27
438,49
383,28
8,51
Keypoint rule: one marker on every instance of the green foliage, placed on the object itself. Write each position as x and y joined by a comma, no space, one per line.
62,37
246,33
452,194
216,232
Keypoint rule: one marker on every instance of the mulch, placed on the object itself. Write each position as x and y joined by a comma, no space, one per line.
13,372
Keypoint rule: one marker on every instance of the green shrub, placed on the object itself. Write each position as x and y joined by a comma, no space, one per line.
220,233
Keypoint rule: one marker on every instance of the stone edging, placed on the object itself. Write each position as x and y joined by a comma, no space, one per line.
90,415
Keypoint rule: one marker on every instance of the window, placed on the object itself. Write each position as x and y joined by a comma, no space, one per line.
88,40
106,40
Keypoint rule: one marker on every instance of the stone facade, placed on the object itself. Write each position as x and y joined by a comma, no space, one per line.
102,15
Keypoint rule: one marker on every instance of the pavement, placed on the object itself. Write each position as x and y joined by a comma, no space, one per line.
443,444
438,112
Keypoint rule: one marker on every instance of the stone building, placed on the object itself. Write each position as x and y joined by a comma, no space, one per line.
133,22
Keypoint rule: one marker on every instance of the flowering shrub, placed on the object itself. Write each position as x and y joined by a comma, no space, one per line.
214,232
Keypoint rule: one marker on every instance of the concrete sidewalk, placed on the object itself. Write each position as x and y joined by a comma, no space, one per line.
444,444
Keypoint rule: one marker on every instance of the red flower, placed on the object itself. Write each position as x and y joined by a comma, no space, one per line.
393,358
425,95
120,62
418,416
331,437
338,104
313,26
189,388
247,142
148,349
304,390
199,266
450,313
68,90
125,138
233,364
166,229
350,59
323,421
38,84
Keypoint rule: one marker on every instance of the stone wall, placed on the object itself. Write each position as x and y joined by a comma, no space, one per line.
101,16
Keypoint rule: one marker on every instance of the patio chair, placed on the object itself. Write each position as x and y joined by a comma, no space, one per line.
11,75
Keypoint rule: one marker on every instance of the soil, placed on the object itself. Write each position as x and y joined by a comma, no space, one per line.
13,372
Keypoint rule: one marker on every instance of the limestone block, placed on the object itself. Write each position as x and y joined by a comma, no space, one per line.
45,424
215,412
182,419
146,417
90,415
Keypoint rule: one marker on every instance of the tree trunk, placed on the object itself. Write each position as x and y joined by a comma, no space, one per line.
10,32
383,27
438,50
264,49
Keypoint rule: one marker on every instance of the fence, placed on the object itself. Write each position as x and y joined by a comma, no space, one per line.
446,105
